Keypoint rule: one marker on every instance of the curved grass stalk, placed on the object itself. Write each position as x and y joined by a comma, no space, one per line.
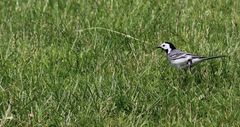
110,30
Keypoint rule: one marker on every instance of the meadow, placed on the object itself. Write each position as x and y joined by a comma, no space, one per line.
94,63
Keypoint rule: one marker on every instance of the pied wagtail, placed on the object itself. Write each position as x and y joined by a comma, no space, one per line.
181,59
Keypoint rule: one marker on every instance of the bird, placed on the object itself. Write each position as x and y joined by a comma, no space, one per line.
182,59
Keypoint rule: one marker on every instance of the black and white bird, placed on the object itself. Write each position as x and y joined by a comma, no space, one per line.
182,59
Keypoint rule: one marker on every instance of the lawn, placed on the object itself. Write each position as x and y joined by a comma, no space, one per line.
94,63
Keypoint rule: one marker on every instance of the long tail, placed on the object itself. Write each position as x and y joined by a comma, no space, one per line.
213,57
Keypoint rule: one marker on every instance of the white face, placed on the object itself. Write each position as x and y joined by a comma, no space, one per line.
166,47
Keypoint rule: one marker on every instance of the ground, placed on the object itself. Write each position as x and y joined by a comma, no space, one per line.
94,63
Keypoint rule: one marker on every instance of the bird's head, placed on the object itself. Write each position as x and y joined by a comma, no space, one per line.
167,47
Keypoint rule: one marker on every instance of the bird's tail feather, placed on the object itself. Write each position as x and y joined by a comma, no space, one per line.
214,57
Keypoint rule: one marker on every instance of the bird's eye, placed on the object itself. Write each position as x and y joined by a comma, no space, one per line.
163,45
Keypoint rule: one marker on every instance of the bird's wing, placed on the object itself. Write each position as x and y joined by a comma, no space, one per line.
197,57
177,54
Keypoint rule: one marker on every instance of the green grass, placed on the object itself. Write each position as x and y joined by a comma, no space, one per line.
54,72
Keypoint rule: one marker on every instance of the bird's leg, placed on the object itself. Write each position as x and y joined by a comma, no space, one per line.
189,63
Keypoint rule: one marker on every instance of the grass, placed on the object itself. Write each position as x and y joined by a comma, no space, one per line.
94,63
